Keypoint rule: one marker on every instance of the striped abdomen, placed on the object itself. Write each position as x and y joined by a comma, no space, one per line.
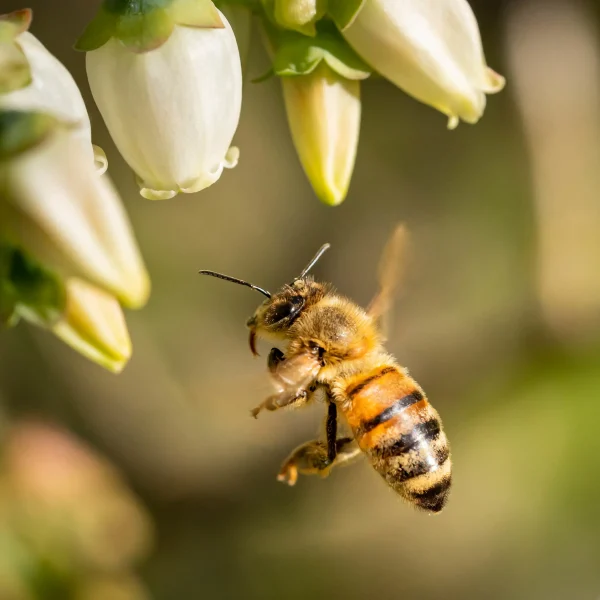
402,434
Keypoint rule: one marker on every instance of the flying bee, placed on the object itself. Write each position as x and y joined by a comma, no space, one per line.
335,348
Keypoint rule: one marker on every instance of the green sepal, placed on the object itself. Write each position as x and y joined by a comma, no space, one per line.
252,5
271,12
142,33
296,54
196,14
144,25
21,131
98,31
27,289
343,12
124,7
9,316
15,72
278,11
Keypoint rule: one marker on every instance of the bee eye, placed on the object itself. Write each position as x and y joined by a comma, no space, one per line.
287,310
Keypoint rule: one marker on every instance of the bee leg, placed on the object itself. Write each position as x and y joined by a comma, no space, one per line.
277,401
276,356
331,431
290,393
311,459
347,451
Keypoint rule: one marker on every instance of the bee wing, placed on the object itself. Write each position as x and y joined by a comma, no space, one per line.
390,274
294,375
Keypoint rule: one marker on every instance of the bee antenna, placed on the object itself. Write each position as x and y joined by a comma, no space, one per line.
314,260
236,280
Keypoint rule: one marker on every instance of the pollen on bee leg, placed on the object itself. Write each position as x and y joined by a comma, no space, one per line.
288,474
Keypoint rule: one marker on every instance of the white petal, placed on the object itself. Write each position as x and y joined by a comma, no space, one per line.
172,112
59,209
429,48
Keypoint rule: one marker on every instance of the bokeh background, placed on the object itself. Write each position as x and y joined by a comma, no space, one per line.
161,471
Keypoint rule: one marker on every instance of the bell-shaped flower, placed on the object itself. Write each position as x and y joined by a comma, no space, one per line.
54,205
49,87
168,82
321,88
93,324
430,49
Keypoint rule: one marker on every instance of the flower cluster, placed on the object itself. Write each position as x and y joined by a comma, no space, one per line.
167,78
68,258
323,49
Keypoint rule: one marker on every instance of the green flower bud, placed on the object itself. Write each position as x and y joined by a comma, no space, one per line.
321,88
323,110
93,324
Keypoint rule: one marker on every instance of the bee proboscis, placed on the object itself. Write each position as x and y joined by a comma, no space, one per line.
335,348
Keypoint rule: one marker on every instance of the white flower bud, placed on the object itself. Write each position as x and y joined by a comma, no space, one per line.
172,111
429,48
55,206
53,91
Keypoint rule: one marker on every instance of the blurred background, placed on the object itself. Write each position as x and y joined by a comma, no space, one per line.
159,480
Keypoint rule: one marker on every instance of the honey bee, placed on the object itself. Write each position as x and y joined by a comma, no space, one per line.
334,348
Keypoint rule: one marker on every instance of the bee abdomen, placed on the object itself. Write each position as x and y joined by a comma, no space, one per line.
417,463
434,496
390,412
422,434
401,432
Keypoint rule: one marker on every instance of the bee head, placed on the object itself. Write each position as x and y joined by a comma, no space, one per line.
273,318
